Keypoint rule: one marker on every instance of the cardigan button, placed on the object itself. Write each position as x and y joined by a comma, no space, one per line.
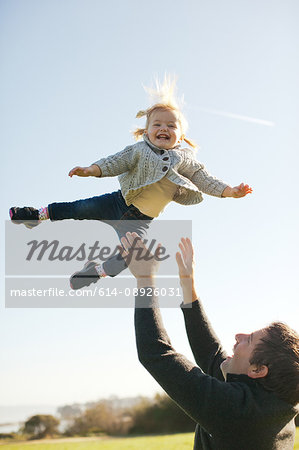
166,158
164,168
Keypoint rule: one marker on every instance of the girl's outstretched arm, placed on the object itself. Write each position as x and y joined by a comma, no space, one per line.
91,171
237,191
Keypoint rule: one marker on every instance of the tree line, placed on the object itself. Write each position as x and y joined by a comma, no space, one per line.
112,417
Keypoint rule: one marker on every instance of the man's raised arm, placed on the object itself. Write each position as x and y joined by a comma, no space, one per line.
205,345
201,396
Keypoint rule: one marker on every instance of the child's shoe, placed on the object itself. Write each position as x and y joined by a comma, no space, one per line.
85,276
27,215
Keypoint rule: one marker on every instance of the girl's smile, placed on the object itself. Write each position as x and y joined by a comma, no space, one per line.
164,129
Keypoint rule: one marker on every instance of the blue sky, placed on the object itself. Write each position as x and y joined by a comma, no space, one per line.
71,84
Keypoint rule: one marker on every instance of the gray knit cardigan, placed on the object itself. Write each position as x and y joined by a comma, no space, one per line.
143,163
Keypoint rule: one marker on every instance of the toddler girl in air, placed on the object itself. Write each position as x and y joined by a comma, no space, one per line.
152,172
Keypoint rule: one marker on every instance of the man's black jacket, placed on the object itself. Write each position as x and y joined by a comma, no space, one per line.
237,414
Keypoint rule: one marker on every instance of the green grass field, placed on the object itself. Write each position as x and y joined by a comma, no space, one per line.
167,442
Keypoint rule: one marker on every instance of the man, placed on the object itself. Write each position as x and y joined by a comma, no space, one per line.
243,402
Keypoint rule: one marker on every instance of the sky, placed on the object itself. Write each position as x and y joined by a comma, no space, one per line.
71,77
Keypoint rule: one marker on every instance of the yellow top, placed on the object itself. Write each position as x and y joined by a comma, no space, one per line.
154,197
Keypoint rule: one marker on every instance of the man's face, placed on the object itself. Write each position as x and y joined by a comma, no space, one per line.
164,129
239,363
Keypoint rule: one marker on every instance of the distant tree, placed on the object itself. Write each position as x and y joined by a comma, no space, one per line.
102,417
41,425
68,412
93,420
8,435
111,416
160,415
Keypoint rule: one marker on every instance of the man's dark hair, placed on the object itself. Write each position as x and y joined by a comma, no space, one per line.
279,351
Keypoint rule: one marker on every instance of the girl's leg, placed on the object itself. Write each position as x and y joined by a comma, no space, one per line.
107,208
131,220
134,221
104,207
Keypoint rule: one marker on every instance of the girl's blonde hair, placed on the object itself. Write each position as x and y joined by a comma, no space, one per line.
163,97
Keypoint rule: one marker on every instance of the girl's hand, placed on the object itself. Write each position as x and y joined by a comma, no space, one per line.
91,171
237,191
241,190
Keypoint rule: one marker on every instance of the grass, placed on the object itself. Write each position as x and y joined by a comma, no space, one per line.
168,442
174,442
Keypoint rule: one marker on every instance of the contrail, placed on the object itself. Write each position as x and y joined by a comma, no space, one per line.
267,123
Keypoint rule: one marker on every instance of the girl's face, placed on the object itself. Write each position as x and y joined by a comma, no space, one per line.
164,129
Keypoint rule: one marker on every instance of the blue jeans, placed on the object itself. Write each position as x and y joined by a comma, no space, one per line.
111,209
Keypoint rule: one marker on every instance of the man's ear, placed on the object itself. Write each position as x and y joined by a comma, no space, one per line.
255,371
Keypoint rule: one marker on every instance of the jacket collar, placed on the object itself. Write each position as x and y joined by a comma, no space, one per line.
232,377
154,147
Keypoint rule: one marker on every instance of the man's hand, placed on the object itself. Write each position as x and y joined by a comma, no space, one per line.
141,262
90,171
186,263
237,191
185,260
